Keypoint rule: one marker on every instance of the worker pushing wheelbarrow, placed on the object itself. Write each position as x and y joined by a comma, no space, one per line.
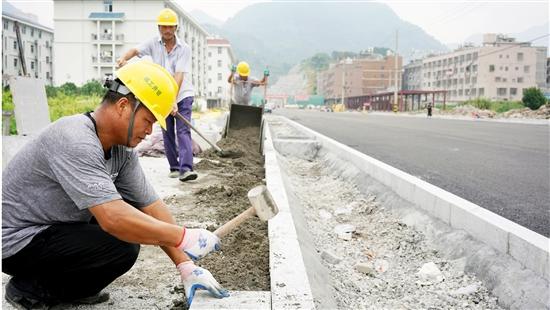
241,114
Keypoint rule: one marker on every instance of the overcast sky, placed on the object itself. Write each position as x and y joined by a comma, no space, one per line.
446,20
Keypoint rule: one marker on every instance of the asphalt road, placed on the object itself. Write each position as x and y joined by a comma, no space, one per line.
503,167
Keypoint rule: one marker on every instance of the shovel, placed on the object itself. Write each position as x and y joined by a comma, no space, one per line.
263,206
219,151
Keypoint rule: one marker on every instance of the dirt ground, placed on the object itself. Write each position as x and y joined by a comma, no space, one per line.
215,197
243,263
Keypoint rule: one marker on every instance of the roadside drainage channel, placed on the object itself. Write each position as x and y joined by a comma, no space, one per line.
466,239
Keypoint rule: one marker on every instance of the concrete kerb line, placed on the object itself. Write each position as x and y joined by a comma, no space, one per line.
290,287
529,248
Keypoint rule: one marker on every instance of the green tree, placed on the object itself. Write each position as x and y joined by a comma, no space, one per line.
69,88
51,91
92,87
533,98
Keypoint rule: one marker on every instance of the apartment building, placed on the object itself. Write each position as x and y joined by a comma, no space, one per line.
499,69
219,60
362,76
90,35
36,40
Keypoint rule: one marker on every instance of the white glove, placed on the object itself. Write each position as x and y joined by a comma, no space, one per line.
198,242
194,278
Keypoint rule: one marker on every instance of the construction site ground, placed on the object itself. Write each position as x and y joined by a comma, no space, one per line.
377,265
218,195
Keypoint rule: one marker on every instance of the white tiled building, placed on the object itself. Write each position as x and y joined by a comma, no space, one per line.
37,45
91,34
499,69
219,60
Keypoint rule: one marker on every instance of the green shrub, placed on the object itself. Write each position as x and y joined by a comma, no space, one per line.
503,106
69,88
7,105
51,91
92,88
64,105
533,98
480,103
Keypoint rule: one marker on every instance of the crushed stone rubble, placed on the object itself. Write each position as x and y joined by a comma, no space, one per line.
384,264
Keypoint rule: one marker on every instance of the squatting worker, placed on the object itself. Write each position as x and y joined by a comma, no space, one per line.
76,204
242,83
168,51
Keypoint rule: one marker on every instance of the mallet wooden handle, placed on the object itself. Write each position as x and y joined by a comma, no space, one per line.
226,228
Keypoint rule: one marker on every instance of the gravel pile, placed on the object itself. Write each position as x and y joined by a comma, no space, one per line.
376,261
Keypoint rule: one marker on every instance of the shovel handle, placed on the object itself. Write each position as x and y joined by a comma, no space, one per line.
178,115
226,228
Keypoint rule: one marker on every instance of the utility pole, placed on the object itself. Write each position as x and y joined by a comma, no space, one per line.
396,82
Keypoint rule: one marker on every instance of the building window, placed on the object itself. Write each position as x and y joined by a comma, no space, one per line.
40,34
481,91
526,69
500,56
468,56
209,54
520,56
32,32
219,63
24,29
501,91
497,79
219,50
520,79
475,55
513,91
47,59
6,24
32,65
209,81
491,68
474,80
47,74
460,92
15,62
209,68
504,80
108,5
32,49
219,89
219,76
5,43
14,45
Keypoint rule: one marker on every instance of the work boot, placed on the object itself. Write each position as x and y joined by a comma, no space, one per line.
93,300
188,176
22,300
174,174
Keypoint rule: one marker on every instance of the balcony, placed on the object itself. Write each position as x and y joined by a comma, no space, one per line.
104,61
108,38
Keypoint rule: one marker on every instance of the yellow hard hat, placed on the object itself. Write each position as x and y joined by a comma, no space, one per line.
151,84
243,69
167,17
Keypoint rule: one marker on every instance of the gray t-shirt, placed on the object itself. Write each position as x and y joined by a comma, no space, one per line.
56,177
243,89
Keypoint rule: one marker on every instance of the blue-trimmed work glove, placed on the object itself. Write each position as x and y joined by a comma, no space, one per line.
233,68
198,242
266,72
194,278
